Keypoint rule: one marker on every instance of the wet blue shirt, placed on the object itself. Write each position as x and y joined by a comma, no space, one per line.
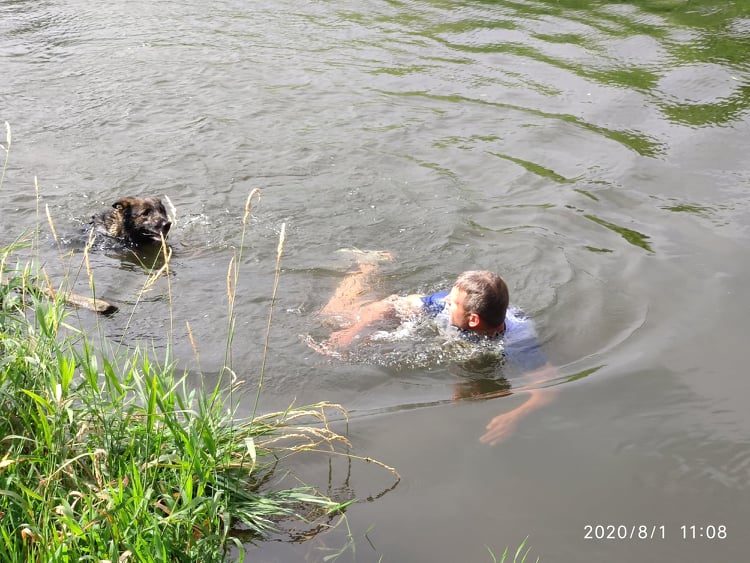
520,345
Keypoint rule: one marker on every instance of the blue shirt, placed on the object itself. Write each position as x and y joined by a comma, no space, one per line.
520,345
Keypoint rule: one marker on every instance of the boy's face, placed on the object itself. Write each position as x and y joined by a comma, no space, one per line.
454,302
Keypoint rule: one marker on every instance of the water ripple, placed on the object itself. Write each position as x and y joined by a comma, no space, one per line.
633,140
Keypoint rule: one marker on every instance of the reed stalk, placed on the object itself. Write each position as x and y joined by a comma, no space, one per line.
232,280
7,153
165,253
276,277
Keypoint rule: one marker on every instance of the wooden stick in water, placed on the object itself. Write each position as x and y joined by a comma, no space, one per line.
97,305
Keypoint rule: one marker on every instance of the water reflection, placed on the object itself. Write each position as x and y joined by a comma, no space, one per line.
638,142
635,46
633,237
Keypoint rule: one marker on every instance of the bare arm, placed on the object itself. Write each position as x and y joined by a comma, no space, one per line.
501,426
371,313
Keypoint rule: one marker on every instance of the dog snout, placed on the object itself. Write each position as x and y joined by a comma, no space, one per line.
159,226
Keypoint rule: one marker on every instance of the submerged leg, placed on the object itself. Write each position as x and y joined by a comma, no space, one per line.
348,297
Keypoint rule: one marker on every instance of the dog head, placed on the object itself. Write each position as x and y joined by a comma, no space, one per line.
144,219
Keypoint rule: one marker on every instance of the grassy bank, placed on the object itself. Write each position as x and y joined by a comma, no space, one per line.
117,458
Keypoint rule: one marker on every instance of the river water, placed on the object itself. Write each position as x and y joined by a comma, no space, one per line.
593,153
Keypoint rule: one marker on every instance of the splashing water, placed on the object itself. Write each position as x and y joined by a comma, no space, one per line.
416,342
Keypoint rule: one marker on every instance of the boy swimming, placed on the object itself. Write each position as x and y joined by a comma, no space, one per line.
476,307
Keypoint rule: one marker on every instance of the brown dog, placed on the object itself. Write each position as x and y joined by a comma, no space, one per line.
134,221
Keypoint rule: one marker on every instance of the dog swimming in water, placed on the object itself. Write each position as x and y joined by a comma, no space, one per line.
133,221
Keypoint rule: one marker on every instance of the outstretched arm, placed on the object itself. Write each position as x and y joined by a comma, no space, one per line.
371,313
501,426
366,315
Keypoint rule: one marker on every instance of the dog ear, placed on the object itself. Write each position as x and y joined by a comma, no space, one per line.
123,202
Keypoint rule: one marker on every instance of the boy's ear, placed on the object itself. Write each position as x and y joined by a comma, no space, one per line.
474,320
123,202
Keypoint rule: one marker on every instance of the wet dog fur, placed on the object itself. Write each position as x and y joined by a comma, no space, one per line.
133,221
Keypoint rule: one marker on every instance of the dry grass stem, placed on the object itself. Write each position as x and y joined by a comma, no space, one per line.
51,225
231,284
193,345
154,276
249,204
277,275
7,152
172,210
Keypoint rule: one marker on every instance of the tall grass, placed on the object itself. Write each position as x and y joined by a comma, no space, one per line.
113,456
118,458
107,454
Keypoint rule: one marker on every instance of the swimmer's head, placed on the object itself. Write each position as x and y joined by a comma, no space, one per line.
478,302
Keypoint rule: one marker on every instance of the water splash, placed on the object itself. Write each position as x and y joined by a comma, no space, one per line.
417,342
